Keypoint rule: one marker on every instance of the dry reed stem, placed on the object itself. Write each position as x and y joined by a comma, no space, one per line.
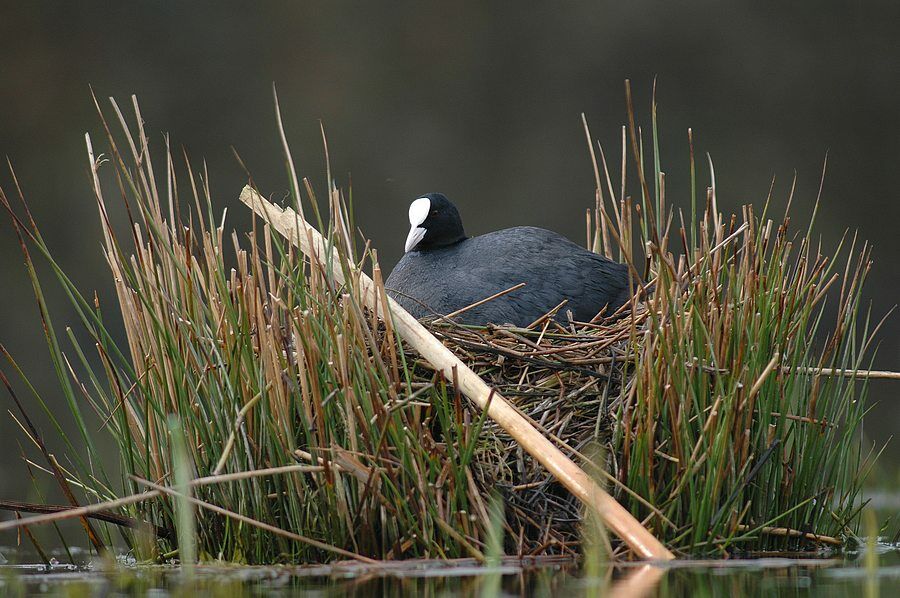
254,522
110,505
792,533
78,512
862,374
300,233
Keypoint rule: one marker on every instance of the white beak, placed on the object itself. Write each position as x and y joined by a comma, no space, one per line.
416,234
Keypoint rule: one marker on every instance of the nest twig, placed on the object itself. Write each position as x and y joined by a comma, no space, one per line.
566,381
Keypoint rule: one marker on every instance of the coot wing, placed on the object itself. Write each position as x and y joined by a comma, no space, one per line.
554,269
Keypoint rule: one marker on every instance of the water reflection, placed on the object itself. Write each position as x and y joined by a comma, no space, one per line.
843,576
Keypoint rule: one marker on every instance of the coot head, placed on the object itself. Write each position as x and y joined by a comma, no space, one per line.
434,222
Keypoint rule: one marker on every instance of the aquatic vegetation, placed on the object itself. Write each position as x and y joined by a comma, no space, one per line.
741,423
727,411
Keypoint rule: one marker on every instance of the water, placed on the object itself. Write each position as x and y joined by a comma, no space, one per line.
769,576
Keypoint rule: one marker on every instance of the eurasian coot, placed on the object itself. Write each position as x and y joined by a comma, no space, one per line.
443,271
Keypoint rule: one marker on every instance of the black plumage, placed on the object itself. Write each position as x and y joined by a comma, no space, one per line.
443,271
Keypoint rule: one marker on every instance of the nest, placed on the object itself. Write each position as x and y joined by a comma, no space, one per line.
567,381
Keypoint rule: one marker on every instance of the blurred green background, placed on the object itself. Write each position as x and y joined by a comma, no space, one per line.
479,100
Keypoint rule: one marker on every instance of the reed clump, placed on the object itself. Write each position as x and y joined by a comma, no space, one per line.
705,407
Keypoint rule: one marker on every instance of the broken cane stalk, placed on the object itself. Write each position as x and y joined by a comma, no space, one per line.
294,228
